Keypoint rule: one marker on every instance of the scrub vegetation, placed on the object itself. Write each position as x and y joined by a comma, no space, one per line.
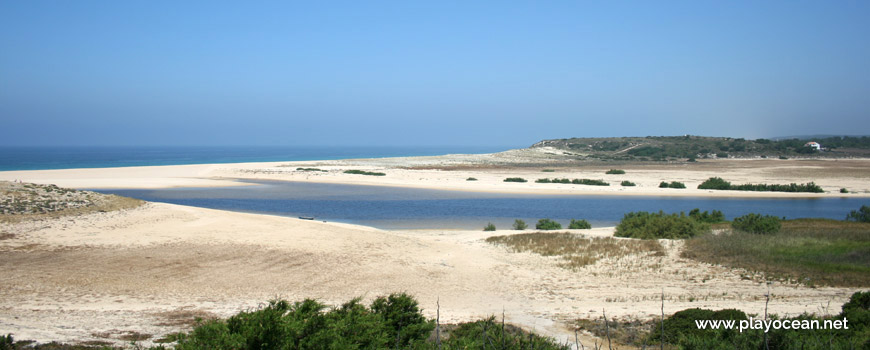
680,331
575,250
717,183
362,172
27,201
809,251
589,182
646,225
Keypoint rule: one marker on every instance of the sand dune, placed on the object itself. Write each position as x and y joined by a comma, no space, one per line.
104,275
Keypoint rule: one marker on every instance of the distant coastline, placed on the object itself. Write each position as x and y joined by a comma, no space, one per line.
47,158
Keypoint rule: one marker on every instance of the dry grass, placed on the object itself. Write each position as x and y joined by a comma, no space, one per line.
576,250
26,201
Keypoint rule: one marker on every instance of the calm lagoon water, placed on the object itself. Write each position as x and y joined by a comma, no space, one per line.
407,208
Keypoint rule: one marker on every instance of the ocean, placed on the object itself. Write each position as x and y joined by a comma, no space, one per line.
38,158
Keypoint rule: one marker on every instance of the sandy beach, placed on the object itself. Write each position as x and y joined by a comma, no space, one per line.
450,172
102,277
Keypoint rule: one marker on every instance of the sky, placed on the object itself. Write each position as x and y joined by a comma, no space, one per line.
421,73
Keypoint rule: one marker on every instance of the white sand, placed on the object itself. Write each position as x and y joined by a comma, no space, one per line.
99,276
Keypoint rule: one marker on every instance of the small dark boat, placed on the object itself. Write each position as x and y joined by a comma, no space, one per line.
306,217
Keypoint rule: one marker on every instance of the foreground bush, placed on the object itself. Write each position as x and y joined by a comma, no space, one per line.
681,330
756,223
391,321
860,215
515,179
627,183
713,217
579,225
520,225
615,172
547,224
489,227
645,225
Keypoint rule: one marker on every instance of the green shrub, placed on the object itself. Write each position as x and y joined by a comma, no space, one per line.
520,225
361,172
471,179
715,183
783,157
489,227
711,218
677,184
547,224
403,317
681,325
615,172
515,179
844,190
627,183
579,225
860,215
575,181
756,223
548,171
392,321
589,182
645,225
310,169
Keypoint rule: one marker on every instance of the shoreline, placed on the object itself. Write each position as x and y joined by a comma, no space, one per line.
450,173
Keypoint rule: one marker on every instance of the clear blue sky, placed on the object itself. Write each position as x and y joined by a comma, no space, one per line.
427,73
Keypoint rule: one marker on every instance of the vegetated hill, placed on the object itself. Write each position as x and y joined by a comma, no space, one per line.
691,147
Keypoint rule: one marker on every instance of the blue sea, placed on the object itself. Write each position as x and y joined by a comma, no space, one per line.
37,158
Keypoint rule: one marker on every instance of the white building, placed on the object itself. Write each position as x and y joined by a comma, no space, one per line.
814,144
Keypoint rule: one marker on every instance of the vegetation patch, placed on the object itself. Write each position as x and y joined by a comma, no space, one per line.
590,182
471,179
675,184
615,172
548,170
579,225
311,169
717,183
362,172
713,217
575,250
860,215
489,227
520,225
547,224
646,225
680,330
810,251
757,223
627,183
515,179
26,201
